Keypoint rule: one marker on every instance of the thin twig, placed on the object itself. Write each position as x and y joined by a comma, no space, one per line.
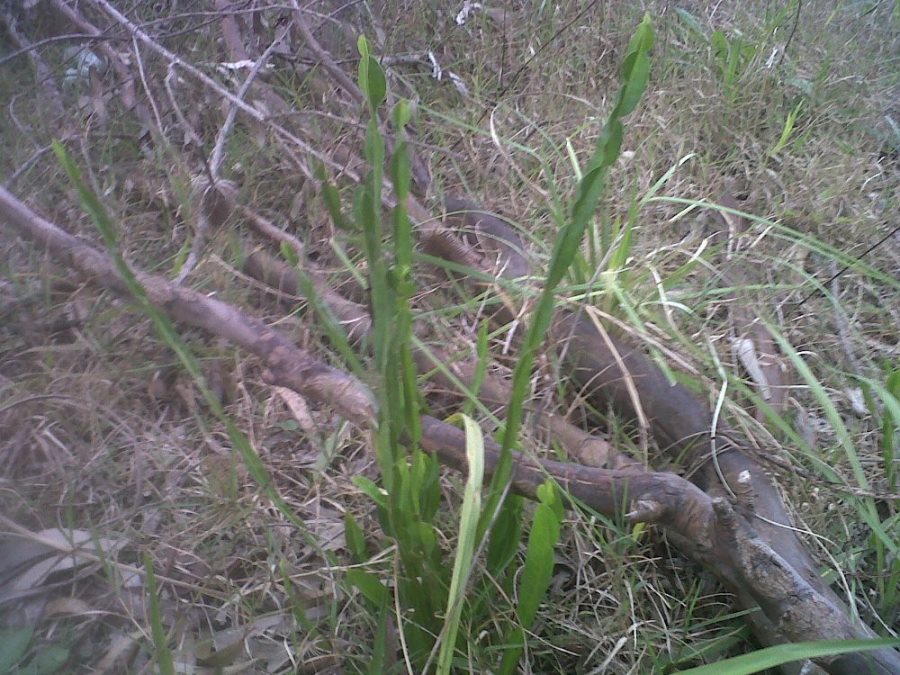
215,160
244,107
787,43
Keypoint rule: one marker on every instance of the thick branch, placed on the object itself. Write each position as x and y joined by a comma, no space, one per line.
709,529
653,497
605,366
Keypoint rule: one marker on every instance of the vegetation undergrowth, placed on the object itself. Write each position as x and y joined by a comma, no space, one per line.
192,479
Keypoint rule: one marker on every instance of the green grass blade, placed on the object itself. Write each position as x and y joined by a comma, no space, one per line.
468,529
770,657
866,506
569,239
160,642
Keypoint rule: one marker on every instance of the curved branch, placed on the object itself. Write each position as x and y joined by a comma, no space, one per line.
753,547
709,528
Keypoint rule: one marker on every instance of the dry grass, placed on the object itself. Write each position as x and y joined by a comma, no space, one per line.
101,431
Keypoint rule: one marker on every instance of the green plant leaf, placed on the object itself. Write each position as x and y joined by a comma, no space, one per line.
565,248
13,646
375,493
332,199
370,586
719,44
540,556
47,660
537,572
505,537
371,77
402,114
160,641
465,548
356,540
770,657
786,130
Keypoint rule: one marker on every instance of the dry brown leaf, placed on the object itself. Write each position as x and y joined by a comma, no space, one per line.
222,648
121,648
299,410
68,607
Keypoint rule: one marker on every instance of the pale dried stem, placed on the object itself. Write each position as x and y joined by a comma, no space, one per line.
177,62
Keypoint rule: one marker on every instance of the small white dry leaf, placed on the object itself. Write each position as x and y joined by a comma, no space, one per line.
745,351
458,84
467,9
235,65
857,401
436,70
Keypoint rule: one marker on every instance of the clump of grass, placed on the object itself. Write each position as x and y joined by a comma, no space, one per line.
408,479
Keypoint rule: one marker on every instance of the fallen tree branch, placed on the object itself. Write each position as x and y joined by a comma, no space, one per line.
290,366
707,528
604,365
725,541
493,392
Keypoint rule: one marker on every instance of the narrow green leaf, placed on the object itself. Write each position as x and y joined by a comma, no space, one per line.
379,652
356,540
539,559
564,251
505,537
362,45
537,571
866,505
770,657
402,114
372,81
160,641
468,530
719,44
48,660
371,490
786,130
332,199
639,74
